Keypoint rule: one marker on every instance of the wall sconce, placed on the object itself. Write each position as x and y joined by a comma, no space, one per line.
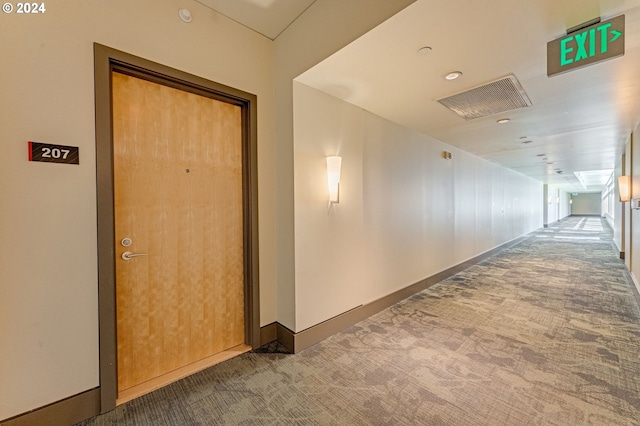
446,155
549,199
570,200
557,200
624,189
334,167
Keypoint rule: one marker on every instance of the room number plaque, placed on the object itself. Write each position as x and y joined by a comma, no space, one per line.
48,153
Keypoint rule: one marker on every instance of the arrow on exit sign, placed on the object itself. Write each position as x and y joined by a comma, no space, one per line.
595,43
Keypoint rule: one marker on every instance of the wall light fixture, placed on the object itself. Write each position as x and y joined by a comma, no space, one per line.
334,167
624,188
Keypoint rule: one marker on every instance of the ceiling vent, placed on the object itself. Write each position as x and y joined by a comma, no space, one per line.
502,95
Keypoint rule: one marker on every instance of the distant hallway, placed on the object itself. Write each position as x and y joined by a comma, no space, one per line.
546,332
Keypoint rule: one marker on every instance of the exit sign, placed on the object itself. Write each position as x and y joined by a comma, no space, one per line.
595,43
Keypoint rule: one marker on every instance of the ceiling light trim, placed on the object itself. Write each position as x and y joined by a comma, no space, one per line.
453,75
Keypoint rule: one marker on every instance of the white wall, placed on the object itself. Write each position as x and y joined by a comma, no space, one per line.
634,220
322,30
335,231
565,206
611,203
48,273
555,204
587,203
626,231
405,213
618,208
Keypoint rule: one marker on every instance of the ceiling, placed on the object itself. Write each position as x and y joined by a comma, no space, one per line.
267,17
579,121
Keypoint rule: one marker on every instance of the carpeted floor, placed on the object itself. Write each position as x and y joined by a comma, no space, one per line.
545,333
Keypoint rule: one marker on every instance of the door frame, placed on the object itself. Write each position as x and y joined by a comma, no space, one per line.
107,60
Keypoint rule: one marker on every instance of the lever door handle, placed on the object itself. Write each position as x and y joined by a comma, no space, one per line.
127,255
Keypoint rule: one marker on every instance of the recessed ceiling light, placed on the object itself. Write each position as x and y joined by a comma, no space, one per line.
453,75
525,142
424,50
540,155
504,120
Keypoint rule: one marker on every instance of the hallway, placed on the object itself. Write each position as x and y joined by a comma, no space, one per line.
546,332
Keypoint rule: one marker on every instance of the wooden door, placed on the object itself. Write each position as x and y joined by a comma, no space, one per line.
178,199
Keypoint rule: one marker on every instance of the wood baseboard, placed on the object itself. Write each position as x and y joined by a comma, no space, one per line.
277,332
175,375
268,333
67,412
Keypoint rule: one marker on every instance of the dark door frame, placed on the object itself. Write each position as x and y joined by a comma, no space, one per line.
107,60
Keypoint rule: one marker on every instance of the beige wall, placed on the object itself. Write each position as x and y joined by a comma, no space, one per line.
587,204
628,252
618,209
325,27
48,312
555,204
48,275
630,229
405,213
629,232
634,261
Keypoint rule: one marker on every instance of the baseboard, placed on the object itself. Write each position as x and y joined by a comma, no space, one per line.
268,333
61,413
304,339
277,332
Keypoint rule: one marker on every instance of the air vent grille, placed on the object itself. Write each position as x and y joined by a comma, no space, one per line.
502,95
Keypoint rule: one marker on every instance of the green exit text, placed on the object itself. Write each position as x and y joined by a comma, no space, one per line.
588,45
583,45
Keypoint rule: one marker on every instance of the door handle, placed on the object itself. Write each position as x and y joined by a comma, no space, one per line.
127,255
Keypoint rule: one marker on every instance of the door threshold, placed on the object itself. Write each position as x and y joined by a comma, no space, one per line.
182,372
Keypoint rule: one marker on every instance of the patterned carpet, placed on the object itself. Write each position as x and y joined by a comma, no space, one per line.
545,333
